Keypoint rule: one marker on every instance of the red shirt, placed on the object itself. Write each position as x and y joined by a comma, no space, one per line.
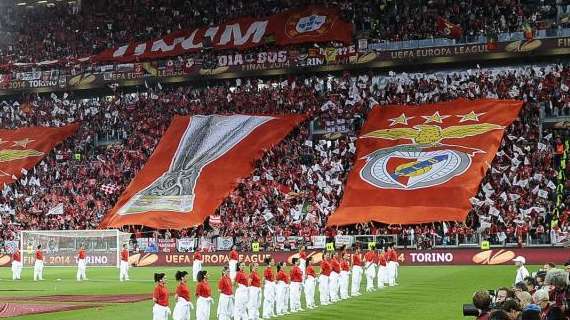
311,272
393,256
369,256
82,254
234,255
268,274
335,265
296,274
241,278
161,295
225,285
344,265
356,260
303,255
39,255
325,268
125,255
282,276
16,256
183,291
197,256
382,259
203,289
255,280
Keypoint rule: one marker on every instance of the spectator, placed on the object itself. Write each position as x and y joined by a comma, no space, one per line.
541,299
499,315
503,294
482,301
512,308
531,312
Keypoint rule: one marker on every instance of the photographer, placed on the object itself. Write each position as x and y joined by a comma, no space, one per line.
503,294
512,308
481,304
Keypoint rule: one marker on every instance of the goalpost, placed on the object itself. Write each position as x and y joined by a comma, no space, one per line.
60,247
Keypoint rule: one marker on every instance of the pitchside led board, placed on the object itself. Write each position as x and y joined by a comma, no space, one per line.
421,164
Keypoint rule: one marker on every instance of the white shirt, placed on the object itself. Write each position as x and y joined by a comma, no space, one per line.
522,273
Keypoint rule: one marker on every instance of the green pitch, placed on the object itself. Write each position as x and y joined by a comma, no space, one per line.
423,293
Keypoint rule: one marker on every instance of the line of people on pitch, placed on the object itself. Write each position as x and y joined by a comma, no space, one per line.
39,258
281,290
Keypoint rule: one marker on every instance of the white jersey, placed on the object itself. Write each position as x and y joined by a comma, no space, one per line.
522,273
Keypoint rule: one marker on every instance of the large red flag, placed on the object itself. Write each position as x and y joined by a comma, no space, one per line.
21,149
420,164
195,166
449,29
312,24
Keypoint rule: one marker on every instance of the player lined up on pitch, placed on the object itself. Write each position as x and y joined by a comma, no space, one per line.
39,257
241,297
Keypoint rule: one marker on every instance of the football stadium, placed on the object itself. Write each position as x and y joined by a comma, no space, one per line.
244,160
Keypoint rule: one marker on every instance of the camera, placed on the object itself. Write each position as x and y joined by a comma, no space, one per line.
471,310
483,301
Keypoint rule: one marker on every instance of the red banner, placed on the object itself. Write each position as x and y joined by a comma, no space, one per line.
448,29
195,166
311,24
21,149
421,164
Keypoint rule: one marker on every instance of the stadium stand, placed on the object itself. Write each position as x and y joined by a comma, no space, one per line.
117,136
67,31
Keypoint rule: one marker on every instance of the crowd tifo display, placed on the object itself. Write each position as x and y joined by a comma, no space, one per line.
70,32
297,183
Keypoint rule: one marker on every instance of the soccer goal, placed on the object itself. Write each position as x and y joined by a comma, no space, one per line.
60,247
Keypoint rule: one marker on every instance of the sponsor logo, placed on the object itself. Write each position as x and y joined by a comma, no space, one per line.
487,257
4,260
141,261
523,46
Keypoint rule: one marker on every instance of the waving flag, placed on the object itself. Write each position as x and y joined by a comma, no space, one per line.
21,149
419,164
449,29
195,166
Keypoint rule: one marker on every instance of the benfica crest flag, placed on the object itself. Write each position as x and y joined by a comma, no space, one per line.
420,164
311,24
21,149
195,166
449,29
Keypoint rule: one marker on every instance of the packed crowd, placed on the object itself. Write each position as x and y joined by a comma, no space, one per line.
80,29
299,182
544,294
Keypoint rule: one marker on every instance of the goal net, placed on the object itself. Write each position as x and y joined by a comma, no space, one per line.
60,247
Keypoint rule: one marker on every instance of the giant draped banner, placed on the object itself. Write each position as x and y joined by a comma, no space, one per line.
195,166
312,24
420,164
21,149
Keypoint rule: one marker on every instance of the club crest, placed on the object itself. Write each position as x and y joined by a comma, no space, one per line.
424,163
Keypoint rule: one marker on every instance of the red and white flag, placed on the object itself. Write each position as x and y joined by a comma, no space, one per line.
195,166
22,149
110,188
449,29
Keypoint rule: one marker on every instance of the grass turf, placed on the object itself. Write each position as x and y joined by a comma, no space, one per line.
423,293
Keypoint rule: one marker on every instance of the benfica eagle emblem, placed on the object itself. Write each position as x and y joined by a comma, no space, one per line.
426,161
